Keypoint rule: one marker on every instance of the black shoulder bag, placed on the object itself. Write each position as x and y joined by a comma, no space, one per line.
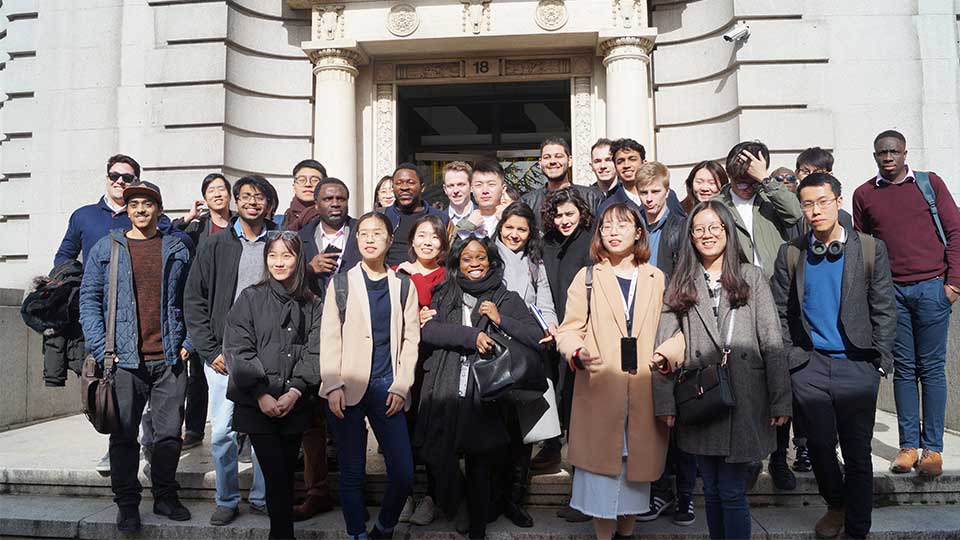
511,371
705,394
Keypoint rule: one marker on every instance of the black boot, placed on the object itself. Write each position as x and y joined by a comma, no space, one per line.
547,460
780,473
513,507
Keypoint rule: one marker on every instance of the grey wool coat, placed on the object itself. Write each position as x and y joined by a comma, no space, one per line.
757,367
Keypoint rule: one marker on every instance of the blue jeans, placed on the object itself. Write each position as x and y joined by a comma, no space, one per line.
391,433
725,494
223,446
919,356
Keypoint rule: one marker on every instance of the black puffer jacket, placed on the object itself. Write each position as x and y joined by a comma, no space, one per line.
272,344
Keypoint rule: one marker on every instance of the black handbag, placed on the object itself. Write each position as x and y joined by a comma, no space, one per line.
706,394
511,371
96,381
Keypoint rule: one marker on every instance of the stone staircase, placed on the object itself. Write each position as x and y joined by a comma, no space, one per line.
49,488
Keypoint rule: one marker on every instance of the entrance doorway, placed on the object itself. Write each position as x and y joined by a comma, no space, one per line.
507,121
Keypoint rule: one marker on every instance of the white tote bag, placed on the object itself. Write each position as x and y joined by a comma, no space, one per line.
539,419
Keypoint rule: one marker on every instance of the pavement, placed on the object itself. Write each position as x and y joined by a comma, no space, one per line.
49,489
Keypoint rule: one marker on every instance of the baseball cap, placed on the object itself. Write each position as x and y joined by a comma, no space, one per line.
143,189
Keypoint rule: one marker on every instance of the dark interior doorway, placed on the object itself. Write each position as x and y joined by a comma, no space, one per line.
443,123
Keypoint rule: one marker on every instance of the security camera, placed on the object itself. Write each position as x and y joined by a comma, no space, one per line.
738,33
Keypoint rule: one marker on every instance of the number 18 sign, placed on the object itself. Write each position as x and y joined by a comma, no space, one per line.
483,67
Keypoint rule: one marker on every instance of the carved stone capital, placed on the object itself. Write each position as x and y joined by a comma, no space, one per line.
626,47
336,59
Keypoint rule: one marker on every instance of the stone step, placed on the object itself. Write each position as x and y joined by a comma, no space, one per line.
58,458
68,517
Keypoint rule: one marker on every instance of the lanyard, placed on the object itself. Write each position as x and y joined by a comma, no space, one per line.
628,302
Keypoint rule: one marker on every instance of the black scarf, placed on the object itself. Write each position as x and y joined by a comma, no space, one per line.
487,284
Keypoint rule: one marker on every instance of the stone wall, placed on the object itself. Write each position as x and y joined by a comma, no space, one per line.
23,397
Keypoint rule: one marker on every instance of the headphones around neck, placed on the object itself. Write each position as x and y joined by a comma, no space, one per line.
833,249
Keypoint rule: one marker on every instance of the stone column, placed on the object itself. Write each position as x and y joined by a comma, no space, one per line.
335,116
627,59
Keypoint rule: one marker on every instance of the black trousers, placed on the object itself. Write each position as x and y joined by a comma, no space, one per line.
838,401
514,470
480,472
195,413
164,387
277,454
680,473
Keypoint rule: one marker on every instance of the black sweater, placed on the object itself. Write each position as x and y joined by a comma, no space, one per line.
272,344
563,257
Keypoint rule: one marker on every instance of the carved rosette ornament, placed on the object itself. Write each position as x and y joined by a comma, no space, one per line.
551,14
624,48
402,20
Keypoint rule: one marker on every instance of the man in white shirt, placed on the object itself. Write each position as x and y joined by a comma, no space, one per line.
456,185
486,185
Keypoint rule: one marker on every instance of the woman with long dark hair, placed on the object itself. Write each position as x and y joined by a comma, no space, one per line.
428,251
567,223
271,343
609,329
521,249
720,311
453,422
704,181
368,356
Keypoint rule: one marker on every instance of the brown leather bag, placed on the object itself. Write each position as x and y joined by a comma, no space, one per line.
96,381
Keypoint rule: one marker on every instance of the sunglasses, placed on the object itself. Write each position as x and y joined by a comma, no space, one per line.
286,235
785,178
126,177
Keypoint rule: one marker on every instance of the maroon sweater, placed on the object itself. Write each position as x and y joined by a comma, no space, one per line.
146,261
899,215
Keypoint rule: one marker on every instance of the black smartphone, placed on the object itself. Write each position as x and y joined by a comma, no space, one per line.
628,354
332,249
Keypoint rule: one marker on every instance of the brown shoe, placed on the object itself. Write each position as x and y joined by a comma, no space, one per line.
311,506
830,525
931,464
906,460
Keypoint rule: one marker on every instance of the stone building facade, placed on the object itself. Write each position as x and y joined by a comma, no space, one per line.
188,87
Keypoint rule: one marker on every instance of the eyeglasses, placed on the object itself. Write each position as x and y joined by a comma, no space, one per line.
286,235
819,203
307,180
608,228
246,197
375,235
126,177
785,178
804,172
715,229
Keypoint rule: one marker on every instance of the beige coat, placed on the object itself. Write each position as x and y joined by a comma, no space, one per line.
346,353
600,399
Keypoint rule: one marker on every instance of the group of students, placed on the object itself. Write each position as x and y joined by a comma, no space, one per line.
621,293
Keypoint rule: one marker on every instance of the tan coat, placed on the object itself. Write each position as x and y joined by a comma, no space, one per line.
346,354
600,399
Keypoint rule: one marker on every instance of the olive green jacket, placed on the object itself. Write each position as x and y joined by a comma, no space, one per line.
777,218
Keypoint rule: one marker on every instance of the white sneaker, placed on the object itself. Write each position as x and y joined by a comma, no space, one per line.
407,510
425,512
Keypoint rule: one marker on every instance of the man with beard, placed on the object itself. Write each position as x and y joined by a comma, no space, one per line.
555,160
226,263
408,207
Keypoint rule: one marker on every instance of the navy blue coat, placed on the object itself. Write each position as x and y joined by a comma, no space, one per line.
93,300
349,259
